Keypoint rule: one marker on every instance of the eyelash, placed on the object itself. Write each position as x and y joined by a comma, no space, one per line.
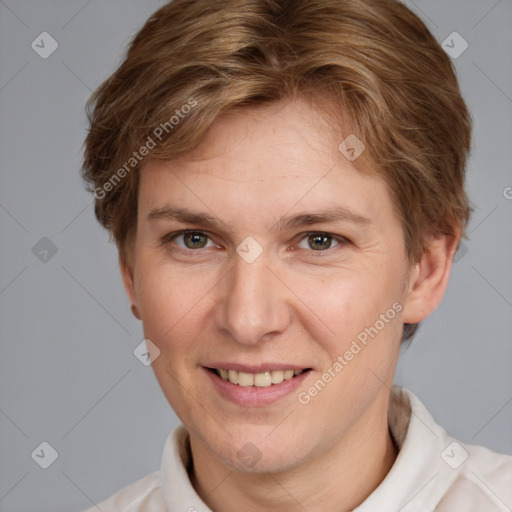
342,241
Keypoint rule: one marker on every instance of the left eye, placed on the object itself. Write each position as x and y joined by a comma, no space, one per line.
192,239
319,241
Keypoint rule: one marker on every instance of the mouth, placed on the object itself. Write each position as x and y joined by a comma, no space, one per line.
259,380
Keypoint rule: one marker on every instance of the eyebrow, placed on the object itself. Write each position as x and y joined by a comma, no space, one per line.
332,215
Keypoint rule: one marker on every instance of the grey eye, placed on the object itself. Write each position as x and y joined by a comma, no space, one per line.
319,241
193,240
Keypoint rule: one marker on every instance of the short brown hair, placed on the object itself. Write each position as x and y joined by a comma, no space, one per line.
374,59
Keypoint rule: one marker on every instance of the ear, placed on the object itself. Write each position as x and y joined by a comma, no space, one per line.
128,281
428,278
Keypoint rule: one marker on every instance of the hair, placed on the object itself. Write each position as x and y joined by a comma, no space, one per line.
374,61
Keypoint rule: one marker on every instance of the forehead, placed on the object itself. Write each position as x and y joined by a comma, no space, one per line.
271,159
293,130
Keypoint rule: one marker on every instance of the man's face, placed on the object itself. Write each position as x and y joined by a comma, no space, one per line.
256,292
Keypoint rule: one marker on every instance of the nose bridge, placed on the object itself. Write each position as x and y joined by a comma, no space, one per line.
252,303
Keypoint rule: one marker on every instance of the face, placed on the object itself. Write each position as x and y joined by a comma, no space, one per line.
291,259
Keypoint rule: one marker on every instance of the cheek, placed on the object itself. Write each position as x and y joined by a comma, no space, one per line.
171,308
358,307
168,302
342,304
364,315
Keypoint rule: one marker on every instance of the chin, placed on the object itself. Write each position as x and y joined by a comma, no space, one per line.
259,452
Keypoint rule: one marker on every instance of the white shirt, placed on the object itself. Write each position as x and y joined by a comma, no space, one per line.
432,472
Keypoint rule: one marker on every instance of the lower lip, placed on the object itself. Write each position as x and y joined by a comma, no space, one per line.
253,396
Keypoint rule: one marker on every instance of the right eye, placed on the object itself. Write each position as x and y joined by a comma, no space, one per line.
190,240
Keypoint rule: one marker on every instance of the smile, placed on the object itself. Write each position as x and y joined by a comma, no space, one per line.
257,386
260,380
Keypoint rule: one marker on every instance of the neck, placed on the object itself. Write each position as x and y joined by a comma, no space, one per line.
340,479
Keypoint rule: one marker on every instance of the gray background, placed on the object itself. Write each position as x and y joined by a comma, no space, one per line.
67,372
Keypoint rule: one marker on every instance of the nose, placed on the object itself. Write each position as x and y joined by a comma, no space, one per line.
252,304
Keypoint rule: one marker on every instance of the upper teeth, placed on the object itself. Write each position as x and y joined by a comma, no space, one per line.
259,380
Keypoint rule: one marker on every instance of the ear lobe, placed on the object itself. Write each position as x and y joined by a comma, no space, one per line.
135,312
429,278
128,281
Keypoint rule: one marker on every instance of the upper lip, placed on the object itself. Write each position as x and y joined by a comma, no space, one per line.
255,368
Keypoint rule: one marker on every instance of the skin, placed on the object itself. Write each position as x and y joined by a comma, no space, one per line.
292,304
